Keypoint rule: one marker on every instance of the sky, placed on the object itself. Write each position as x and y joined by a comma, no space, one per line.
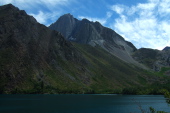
145,23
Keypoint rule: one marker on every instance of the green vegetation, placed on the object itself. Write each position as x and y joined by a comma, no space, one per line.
113,68
158,85
163,71
109,74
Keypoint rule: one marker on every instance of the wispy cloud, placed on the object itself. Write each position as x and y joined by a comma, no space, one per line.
145,24
119,9
30,3
108,15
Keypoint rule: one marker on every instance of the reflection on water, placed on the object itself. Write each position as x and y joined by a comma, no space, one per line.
81,103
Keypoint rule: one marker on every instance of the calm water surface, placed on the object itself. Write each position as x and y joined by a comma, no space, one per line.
80,103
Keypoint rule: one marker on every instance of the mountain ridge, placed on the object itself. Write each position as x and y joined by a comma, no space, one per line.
93,33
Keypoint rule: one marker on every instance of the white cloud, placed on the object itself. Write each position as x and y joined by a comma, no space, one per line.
145,24
119,9
146,6
131,11
164,7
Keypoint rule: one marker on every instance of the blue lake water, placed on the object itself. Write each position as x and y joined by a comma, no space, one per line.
81,103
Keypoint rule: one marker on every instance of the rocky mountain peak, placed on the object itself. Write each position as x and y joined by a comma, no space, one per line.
67,16
65,25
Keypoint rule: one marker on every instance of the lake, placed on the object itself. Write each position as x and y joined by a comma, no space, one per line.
81,103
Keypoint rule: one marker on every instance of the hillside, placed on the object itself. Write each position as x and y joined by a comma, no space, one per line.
35,59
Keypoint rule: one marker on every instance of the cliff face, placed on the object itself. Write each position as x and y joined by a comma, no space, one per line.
94,33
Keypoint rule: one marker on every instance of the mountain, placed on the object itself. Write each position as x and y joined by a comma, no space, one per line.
35,59
146,56
93,33
154,59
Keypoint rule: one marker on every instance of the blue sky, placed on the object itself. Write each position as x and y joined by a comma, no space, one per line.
145,23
